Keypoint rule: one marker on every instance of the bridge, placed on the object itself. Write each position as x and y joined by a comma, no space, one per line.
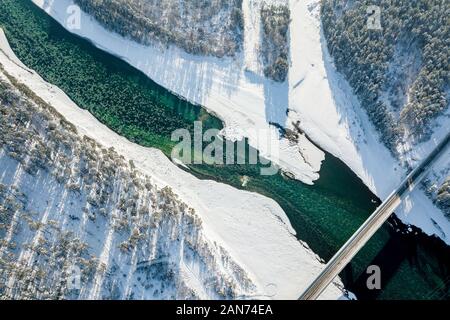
372,224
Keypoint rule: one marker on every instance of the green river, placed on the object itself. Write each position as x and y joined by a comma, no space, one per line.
413,265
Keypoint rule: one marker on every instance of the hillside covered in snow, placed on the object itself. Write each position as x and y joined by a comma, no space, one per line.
75,196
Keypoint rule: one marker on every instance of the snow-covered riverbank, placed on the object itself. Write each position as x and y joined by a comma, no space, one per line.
252,228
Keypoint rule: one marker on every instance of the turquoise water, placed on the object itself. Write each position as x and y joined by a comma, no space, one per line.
325,215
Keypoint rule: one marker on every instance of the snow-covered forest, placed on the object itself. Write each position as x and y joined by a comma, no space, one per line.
400,72
199,27
275,19
443,196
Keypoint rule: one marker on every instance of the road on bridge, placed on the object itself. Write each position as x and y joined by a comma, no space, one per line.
373,223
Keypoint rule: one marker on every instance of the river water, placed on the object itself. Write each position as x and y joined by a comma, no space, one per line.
413,265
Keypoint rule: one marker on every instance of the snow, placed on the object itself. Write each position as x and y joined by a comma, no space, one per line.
253,229
332,117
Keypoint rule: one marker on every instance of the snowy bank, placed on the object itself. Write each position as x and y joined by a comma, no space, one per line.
229,88
253,229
